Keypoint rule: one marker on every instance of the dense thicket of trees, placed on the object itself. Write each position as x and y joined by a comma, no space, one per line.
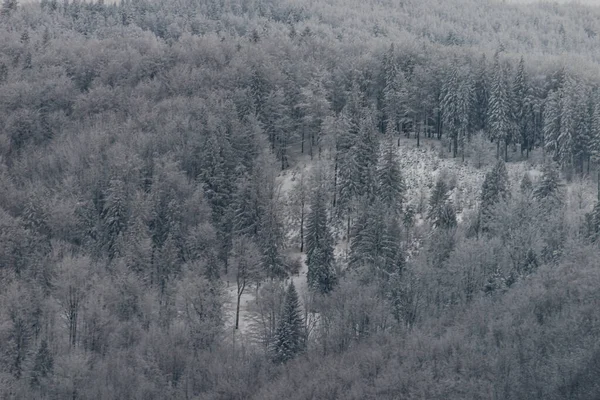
140,147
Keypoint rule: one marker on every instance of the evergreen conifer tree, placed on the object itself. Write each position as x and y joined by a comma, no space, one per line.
114,216
289,336
438,197
366,157
520,101
480,96
391,186
441,211
499,112
552,123
549,185
319,244
376,243
495,188
566,140
271,243
247,208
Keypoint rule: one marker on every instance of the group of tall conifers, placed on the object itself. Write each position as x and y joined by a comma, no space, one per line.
559,112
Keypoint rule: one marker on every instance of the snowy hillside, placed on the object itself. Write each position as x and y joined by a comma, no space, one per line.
421,167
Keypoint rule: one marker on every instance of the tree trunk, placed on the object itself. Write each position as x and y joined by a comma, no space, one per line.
348,229
239,299
523,146
589,161
505,151
455,145
335,178
283,158
439,125
302,229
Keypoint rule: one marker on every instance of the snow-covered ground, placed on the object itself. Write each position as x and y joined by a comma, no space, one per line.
420,167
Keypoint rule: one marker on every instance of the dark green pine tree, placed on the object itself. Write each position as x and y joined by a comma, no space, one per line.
499,111
438,197
549,187
566,141
466,93
585,130
393,257
247,207
495,188
114,216
395,99
289,336
531,121
271,243
319,245
593,222
348,171
376,244
277,125
217,174
367,149
456,106
519,104
441,211
552,123
367,236
481,96
450,107
391,186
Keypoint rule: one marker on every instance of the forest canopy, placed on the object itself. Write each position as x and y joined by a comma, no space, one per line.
234,199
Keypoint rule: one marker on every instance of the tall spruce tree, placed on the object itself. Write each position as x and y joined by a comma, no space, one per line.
395,99
450,112
270,240
367,149
566,141
289,337
495,188
441,211
550,185
456,107
391,186
248,207
480,96
115,214
519,104
499,112
376,244
319,243
552,123
352,170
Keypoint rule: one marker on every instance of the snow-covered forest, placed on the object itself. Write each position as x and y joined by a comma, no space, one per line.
283,199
